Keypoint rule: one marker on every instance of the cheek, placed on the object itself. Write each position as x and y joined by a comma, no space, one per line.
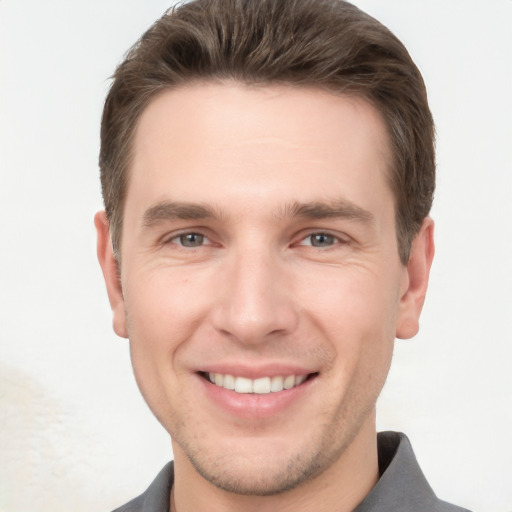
162,307
355,312
159,320
161,317
350,301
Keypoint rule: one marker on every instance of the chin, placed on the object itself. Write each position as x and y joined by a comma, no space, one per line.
259,476
264,467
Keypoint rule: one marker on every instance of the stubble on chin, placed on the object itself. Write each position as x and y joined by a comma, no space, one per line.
268,472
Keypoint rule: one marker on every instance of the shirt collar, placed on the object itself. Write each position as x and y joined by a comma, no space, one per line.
402,486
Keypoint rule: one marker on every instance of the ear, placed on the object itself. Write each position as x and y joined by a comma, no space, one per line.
110,269
416,281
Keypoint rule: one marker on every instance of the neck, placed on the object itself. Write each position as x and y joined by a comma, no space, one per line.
341,486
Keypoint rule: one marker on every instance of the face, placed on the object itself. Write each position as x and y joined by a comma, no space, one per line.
261,287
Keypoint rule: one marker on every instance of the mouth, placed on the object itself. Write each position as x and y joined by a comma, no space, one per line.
260,386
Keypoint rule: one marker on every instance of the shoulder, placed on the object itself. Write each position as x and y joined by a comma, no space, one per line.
402,487
156,497
442,506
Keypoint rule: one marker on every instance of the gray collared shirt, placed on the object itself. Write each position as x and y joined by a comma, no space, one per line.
401,487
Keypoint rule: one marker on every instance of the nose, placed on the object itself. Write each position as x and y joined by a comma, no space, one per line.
255,302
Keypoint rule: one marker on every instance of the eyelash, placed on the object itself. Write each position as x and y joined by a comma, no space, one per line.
334,240
179,239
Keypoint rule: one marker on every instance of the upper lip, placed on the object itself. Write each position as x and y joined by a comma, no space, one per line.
256,371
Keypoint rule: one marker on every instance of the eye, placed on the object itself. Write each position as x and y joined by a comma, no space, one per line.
190,240
321,240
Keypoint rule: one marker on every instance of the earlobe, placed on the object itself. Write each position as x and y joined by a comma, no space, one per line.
110,269
417,275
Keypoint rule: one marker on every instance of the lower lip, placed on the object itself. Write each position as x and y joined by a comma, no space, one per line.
254,405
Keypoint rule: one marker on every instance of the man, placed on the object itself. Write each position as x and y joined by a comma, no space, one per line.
268,169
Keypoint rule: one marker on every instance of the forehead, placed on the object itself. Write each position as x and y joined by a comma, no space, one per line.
228,141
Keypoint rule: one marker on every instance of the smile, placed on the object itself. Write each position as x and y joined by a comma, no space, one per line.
259,386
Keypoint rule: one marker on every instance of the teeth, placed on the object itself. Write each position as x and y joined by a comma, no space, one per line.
300,379
259,386
243,385
229,382
289,382
276,384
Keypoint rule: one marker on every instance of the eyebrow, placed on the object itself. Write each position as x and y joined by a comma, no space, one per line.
170,210
340,208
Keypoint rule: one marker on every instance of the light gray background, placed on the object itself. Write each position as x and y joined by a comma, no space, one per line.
75,435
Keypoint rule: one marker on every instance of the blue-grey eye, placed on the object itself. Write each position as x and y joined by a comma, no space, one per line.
322,240
191,240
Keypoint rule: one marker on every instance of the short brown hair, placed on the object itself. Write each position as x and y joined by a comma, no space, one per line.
321,43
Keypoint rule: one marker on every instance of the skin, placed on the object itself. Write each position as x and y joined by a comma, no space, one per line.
265,285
